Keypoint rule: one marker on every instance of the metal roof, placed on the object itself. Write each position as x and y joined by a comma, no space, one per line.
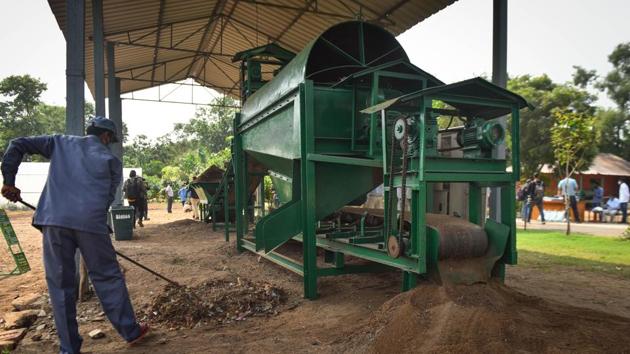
605,164
162,41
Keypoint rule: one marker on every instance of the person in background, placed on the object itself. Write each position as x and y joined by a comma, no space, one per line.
134,190
72,213
611,209
624,198
536,191
596,202
169,198
145,199
524,196
182,194
194,199
568,188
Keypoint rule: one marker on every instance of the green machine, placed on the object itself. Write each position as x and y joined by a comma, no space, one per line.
351,113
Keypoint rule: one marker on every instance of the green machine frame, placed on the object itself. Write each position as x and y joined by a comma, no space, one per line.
325,141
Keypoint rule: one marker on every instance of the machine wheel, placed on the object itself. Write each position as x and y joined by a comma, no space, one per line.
399,128
394,247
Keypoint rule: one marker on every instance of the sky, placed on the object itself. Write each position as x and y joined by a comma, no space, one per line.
454,44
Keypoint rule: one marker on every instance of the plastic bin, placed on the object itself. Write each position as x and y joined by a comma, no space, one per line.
122,218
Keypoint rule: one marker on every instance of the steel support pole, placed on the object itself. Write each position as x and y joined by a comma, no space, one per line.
99,61
115,110
499,77
75,94
75,67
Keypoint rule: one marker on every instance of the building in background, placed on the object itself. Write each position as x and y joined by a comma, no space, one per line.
31,179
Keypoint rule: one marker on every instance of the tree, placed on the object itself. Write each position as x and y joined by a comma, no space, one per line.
614,125
211,125
546,96
614,131
573,137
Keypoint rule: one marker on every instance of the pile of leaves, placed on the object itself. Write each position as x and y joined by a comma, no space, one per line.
214,302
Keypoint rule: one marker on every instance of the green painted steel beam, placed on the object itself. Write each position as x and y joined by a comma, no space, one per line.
369,254
345,160
276,258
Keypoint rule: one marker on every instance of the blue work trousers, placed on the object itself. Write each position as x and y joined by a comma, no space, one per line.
104,272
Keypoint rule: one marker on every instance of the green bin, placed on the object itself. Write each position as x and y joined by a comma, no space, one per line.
121,218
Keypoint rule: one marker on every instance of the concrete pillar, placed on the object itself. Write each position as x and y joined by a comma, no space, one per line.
499,77
75,69
99,61
115,109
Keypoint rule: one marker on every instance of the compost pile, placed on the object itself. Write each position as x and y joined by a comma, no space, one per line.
214,302
488,318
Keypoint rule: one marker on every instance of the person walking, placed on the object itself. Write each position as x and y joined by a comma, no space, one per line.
624,198
182,194
194,199
72,213
134,190
595,206
568,188
536,191
169,198
145,199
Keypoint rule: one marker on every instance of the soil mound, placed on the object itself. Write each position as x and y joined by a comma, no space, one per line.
214,302
488,318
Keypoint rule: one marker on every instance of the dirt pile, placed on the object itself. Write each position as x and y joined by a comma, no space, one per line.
488,318
214,302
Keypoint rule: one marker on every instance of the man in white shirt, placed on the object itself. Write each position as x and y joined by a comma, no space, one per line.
568,188
624,197
611,209
169,198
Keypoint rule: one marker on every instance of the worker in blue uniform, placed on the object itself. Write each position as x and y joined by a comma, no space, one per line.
72,213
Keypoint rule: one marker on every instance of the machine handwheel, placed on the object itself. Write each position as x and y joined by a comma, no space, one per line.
400,126
394,247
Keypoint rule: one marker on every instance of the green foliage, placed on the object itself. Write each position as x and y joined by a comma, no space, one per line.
614,125
547,97
573,137
614,130
193,147
210,125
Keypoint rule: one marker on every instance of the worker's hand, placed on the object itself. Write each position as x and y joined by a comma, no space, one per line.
11,193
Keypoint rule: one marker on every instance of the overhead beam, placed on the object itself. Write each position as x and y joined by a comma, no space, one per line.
212,23
295,19
152,27
392,9
157,38
297,9
183,50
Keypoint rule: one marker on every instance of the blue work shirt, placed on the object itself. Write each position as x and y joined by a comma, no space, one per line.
182,193
598,195
82,179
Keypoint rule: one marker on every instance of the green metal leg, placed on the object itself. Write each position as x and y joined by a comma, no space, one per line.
474,203
410,280
307,171
239,190
226,208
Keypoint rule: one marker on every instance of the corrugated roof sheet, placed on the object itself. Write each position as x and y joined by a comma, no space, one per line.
603,164
220,29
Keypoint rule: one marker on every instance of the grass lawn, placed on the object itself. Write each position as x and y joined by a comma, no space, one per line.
544,249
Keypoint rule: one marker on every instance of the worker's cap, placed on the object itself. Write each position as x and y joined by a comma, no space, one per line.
106,124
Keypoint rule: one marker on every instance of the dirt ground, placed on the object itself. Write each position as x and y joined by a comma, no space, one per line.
355,313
